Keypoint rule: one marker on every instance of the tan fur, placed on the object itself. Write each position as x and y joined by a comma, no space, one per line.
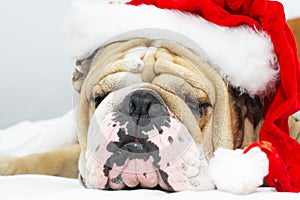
294,24
60,162
294,126
220,127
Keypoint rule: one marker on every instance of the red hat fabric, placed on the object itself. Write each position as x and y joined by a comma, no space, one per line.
269,16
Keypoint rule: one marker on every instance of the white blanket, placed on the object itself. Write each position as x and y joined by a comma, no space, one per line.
37,187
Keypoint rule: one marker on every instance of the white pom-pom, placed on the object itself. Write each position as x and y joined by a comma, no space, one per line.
235,172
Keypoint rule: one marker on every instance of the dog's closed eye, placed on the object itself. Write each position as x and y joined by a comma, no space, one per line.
98,100
203,106
199,108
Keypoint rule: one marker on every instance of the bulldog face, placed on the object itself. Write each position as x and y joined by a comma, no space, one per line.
151,113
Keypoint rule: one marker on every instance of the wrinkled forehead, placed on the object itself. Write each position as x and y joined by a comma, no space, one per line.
164,63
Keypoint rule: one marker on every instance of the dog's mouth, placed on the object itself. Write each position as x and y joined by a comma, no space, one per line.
143,145
134,162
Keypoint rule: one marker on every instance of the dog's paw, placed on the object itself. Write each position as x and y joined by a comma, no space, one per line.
9,165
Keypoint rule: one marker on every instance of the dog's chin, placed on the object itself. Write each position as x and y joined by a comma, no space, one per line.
120,155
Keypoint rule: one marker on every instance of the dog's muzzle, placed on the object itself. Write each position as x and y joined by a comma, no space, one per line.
134,139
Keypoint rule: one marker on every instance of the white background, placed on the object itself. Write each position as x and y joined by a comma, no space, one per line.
35,72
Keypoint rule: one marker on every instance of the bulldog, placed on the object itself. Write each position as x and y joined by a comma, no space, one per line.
150,114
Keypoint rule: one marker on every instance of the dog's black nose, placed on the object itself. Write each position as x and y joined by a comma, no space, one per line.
143,105
140,103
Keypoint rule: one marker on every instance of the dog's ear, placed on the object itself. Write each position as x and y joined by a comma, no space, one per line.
248,117
81,70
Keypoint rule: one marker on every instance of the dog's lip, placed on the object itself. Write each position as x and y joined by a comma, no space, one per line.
134,143
137,145
133,139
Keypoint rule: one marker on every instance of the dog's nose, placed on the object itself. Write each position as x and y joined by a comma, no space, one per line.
140,103
143,105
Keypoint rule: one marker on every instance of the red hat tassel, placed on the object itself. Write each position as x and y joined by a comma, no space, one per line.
278,176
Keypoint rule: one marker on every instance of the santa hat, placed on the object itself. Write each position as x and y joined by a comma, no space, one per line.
248,40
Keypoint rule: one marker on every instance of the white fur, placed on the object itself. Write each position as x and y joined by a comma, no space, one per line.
244,57
235,172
